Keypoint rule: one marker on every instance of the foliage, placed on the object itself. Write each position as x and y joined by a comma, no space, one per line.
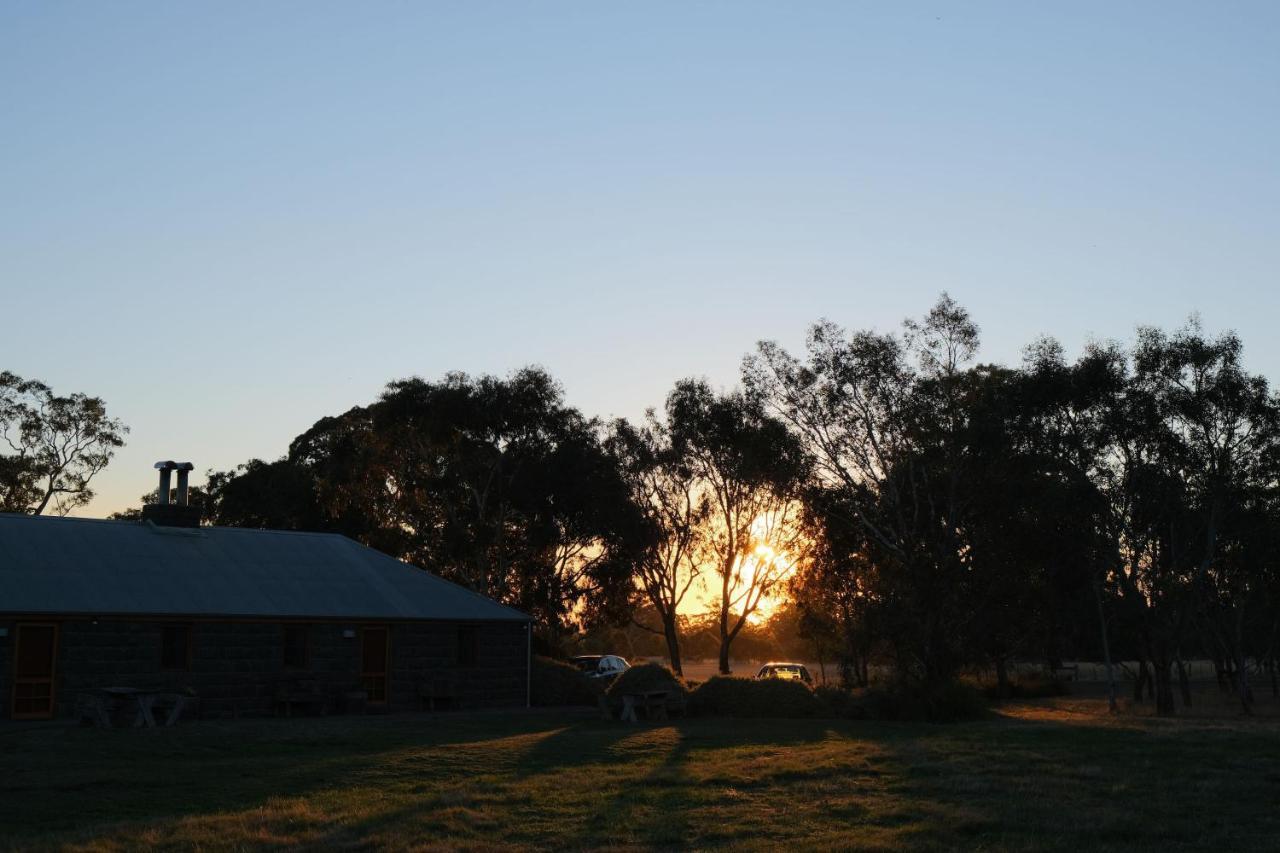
917,702
280,495
53,446
196,497
648,677
969,515
674,510
493,483
750,469
555,683
1028,686
925,513
884,420
731,696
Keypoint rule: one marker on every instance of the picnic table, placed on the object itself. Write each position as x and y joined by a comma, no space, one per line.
652,703
299,693
99,705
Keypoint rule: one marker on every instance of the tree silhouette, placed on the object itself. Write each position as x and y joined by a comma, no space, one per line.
55,446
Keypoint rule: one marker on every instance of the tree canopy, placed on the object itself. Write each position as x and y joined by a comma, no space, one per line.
52,446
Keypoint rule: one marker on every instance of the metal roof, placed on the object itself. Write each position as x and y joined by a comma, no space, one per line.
88,566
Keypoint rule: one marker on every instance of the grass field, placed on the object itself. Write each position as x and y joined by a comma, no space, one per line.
1049,776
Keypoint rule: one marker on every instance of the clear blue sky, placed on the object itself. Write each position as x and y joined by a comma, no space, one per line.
230,219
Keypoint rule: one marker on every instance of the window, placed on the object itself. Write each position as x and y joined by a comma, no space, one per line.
375,653
175,647
297,646
468,647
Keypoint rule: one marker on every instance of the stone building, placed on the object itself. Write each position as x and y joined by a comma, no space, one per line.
240,619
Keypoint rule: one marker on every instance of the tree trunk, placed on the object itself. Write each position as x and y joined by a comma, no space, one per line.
1002,678
1164,686
1275,680
1112,703
673,642
1242,666
1140,680
725,637
1220,669
1184,683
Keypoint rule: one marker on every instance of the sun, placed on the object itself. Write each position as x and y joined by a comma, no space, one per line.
774,564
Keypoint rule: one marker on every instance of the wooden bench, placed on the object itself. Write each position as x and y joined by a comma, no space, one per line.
652,704
301,694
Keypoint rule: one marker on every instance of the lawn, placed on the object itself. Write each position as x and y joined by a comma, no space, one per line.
1054,776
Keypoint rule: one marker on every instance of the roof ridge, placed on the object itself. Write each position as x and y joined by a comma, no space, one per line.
143,523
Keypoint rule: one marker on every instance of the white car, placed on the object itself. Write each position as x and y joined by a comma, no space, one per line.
786,672
603,667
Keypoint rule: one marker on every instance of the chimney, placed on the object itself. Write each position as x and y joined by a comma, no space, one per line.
166,514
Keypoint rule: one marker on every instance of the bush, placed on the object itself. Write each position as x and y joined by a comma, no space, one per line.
647,677
836,701
726,696
555,683
906,701
1030,686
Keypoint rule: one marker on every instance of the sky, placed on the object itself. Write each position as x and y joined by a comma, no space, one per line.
231,219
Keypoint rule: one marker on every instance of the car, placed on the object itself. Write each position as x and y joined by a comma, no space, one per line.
786,671
601,667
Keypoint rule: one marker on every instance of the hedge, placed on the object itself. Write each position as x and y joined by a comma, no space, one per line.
647,677
555,683
910,702
729,696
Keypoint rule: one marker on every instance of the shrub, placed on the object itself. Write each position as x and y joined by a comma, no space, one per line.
836,701
911,701
555,683
726,696
647,677
1029,686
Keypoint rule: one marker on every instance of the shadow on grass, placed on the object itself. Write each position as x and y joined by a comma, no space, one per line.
550,780
1068,783
656,807
110,778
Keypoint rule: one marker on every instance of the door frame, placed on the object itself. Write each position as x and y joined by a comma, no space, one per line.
17,679
385,675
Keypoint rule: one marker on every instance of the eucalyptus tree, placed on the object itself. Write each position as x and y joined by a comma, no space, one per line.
51,446
1176,442
751,470
834,585
1218,446
675,509
881,418
493,483
1073,414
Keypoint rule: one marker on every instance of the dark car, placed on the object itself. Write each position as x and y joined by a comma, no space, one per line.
602,667
786,671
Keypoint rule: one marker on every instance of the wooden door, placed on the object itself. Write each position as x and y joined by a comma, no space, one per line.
34,662
375,652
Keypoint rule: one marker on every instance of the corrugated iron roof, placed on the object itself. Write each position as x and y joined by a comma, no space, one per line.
90,566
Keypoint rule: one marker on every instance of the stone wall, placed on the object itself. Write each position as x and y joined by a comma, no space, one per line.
236,668
429,650
6,665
